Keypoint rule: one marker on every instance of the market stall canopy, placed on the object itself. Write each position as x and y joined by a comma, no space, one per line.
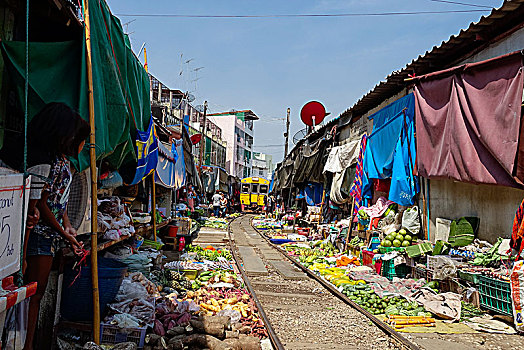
469,122
58,74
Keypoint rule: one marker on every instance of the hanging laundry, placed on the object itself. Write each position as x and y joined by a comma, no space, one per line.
165,170
146,153
341,157
180,165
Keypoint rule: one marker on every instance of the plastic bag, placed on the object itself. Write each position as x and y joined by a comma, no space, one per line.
131,290
15,326
141,310
444,268
124,321
111,235
233,315
411,221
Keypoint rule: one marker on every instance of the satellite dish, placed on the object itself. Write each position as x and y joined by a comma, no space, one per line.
196,138
190,98
313,113
299,135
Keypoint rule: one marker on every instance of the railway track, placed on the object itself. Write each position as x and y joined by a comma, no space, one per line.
300,310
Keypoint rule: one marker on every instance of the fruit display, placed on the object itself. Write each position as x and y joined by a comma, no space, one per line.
209,253
365,296
356,242
171,281
266,224
398,239
215,222
211,277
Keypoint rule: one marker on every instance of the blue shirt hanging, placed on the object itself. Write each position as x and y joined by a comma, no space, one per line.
146,152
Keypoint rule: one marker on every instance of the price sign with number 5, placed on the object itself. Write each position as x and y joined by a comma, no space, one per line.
12,220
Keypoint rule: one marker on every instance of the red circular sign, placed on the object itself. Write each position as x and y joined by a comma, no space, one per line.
196,138
310,110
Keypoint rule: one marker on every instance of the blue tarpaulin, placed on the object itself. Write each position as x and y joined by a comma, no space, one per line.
165,169
390,151
392,110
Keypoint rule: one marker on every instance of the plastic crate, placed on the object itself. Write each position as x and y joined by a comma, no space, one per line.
419,272
367,258
495,295
384,250
469,276
110,334
389,270
432,261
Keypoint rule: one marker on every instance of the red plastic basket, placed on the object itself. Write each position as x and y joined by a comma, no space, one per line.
367,258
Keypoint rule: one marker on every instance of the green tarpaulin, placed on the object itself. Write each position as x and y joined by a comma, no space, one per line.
57,72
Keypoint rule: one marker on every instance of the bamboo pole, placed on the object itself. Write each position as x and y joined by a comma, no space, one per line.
153,187
153,203
94,203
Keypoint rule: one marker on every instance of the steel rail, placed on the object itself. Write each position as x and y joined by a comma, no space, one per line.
384,327
273,337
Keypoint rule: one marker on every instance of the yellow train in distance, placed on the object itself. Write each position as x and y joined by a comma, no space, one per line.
252,192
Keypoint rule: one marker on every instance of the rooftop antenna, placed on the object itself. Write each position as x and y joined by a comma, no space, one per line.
127,26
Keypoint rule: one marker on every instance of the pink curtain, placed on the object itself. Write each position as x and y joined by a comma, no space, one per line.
468,122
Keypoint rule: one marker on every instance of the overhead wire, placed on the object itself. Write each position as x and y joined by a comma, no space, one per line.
461,3
319,15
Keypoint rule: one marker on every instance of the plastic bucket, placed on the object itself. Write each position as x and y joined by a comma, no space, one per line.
172,230
77,296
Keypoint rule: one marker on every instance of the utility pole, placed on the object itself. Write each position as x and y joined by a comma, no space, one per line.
286,135
202,141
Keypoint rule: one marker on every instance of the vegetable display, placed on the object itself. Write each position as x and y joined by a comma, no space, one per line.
209,253
398,239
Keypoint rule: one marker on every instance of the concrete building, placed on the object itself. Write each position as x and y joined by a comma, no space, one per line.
172,105
237,131
263,165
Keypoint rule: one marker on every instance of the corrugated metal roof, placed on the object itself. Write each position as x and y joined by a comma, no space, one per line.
450,52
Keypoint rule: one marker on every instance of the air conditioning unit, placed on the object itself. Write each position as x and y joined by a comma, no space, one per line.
79,205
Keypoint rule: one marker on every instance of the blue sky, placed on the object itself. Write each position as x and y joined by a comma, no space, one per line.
269,64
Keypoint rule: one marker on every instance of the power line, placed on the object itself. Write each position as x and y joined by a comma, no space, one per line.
462,3
165,15
267,146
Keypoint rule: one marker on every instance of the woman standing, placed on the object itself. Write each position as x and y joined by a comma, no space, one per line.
54,134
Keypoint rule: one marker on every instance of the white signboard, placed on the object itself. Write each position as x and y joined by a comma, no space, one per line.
12,221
